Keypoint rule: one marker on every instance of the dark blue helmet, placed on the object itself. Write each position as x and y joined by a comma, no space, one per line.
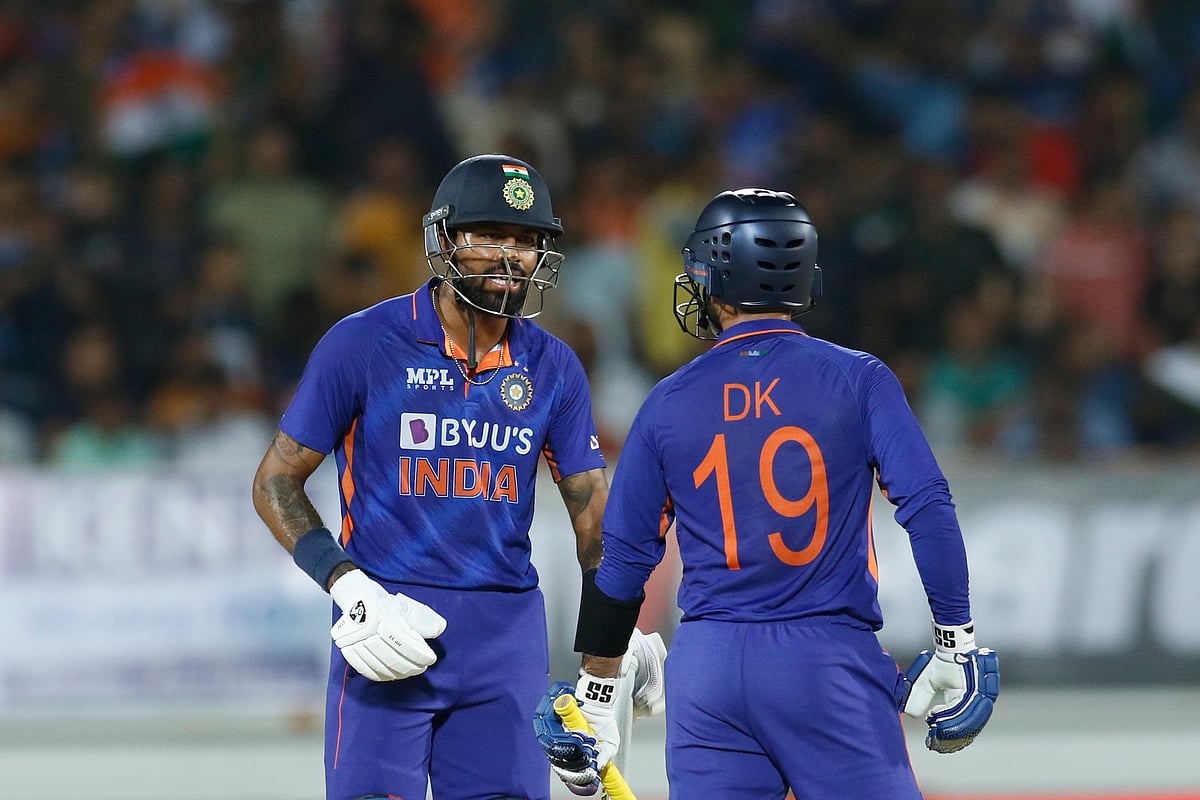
494,188
754,249
502,189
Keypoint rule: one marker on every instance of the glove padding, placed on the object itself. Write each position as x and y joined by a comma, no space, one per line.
964,677
576,757
598,698
383,635
572,754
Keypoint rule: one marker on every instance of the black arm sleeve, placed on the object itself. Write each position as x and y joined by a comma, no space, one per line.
605,624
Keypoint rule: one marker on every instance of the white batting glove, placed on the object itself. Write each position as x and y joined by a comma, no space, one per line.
382,635
597,699
645,657
943,675
954,688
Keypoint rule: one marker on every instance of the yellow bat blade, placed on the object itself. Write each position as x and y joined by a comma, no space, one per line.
610,777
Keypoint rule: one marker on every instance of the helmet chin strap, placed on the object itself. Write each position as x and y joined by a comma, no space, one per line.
471,362
463,305
709,318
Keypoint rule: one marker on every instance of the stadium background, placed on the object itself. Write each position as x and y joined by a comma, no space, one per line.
191,191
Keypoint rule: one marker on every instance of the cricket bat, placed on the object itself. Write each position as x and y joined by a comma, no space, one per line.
610,777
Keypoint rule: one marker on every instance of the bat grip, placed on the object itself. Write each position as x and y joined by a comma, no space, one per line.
611,778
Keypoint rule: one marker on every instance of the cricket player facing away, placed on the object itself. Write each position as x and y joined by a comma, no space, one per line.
764,452
437,406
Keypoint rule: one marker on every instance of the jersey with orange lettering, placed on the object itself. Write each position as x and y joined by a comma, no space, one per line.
437,474
764,452
767,471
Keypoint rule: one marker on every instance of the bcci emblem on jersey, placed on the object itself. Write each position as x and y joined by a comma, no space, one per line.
516,391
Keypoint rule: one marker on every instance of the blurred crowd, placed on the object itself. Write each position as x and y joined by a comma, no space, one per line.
1007,196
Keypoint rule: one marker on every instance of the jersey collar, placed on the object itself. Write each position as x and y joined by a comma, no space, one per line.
757,327
429,330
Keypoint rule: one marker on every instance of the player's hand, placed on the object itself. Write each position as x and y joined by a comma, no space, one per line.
382,635
597,699
646,656
572,754
953,688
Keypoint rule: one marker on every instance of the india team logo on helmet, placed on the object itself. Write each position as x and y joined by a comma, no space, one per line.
516,391
518,194
517,191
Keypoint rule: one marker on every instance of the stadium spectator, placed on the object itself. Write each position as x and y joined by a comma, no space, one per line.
204,424
1001,193
1166,168
976,385
374,220
1096,269
218,311
278,215
106,434
103,427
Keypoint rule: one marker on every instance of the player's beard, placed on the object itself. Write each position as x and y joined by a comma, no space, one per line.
475,290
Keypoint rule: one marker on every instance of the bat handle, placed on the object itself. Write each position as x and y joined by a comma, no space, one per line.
611,778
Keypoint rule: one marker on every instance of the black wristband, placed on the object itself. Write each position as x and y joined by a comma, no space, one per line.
605,623
318,554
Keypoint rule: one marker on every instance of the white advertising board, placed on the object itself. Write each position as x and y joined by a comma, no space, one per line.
144,591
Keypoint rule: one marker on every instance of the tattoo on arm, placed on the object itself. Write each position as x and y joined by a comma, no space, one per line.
279,495
576,492
291,507
584,495
288,449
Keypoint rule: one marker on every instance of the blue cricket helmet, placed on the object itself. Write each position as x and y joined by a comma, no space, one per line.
755,249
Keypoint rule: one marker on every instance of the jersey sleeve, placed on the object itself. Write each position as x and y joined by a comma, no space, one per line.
331,390
638,513
912,481
572,444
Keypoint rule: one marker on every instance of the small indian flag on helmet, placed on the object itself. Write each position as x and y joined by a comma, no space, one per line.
515,171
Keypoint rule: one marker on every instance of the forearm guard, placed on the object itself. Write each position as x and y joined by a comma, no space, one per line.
605,623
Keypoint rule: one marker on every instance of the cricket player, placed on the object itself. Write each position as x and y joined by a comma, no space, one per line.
764,452
437,406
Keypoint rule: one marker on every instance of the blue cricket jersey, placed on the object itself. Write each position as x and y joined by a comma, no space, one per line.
764,451
437,475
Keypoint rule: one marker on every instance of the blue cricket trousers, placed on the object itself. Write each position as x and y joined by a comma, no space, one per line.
755,709
465,724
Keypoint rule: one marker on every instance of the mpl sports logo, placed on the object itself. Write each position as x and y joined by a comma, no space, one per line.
429,379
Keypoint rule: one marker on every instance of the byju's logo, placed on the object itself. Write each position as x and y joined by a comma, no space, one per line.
417,431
